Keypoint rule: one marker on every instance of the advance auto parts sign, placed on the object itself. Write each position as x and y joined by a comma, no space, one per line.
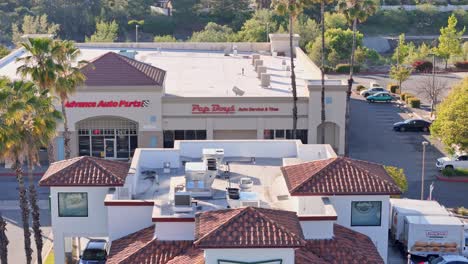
108,104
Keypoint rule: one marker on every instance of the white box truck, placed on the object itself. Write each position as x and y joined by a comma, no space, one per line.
428,236
400,208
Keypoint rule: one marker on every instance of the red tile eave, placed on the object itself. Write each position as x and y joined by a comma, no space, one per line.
129,203
318,218
344,194
173,219
250,247
80,185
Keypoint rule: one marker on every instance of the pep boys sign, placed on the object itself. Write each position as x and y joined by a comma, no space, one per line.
108,104
229,109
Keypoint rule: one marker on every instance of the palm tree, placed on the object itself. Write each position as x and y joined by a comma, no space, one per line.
67,82
355,11
292,8
40,126
41,67
31,119
3,241
14,146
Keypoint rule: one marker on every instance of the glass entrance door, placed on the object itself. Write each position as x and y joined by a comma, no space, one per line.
109,148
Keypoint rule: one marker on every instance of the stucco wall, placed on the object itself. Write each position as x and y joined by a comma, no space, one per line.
378,234
249,255
317,229
124,220
95,225
175,230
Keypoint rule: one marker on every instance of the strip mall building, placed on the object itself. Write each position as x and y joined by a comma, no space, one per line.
150,94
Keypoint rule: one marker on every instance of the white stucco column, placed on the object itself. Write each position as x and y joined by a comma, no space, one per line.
59,248
209,128
260,127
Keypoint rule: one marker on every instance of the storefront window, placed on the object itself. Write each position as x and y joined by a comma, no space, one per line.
171,135
73,204
107,137
285,134
366,213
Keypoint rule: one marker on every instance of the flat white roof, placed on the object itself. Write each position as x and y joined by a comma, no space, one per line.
434,220
195,73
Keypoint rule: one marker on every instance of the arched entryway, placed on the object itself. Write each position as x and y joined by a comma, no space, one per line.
332,134
107,137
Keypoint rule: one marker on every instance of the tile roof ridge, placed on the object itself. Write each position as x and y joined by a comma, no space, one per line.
283,228
196,242
94,161
130,60
331,161
74,159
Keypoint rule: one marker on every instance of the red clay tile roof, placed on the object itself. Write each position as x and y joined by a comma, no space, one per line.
338,176
192,256
142,247
248,227
112,69
85,171
347,246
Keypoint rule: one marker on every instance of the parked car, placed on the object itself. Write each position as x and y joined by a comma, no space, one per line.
412,125
372,91
459,161
448,259
95,252
380,97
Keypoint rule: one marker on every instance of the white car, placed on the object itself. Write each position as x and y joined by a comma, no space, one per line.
456,162
372,91
448,259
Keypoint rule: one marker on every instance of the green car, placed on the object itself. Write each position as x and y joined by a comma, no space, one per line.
380,97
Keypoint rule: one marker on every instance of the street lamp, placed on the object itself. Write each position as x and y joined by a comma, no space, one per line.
433,79
424,144
136,33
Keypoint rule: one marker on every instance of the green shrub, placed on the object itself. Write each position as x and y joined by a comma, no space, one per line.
344,68
165,38
414,102
407,97
404,95
462,211
393,88
360,88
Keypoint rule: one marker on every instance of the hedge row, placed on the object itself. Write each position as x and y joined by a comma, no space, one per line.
393,88
344,68
411,100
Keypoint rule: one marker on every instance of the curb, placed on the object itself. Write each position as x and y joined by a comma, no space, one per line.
447,179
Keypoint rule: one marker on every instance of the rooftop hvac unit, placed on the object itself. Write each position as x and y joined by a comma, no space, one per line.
254,58
182,199
211,164
265,80
258,63
245,184
260,70
237,91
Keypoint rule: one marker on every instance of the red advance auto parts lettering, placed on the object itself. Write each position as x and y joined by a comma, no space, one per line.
108,104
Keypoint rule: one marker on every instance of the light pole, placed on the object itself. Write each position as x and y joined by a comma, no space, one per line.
136,33
424,144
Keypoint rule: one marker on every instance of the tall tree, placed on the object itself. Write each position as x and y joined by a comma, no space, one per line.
105,32
13,101
291,8
40,65
451,124
450,40
68,80
355,11
400,74
32,119
33,25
